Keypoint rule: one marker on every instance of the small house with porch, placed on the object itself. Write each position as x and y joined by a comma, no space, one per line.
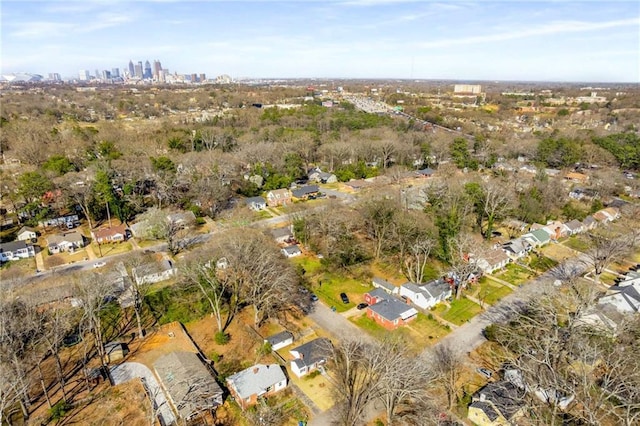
27,234
255,382
310,356
391,313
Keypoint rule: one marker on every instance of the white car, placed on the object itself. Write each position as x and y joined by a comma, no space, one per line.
99,264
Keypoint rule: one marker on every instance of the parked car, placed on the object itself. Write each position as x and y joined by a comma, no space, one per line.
485,372
99,264
362,305
344,298
314,298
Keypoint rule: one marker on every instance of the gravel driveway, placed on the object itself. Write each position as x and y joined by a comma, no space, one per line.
134,370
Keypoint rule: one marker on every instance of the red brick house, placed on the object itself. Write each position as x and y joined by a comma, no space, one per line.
391,313
115,234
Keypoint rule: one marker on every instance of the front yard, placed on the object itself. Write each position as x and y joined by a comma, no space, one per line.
111,249
515,274
577,242
459,311
330,285
491,292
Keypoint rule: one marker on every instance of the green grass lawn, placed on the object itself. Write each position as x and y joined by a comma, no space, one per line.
311,264
577,242
428,328
542,263
334,284
491,291
515,274
461,311
607,278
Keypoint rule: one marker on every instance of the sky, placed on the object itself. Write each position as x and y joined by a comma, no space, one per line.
592,41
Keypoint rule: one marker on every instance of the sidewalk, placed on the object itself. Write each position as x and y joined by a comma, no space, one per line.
503,282
40,261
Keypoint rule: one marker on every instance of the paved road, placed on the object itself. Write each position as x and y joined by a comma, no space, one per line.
336,324
469,336
133,370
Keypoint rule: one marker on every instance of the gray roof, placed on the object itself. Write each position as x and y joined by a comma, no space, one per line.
256,380
505,396
12,246
516,245
392,309
305,190
26,229
589,220
294,249
279,338
312,352
255,200
379,282
72,237
189,383
379,293
573,225
426,171
436,287
486,409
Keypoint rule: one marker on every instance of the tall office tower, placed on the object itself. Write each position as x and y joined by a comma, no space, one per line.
54,76
139,69
106,75
147,70
203,78
132,71
194,78
98,73
115,72
83,75
157,69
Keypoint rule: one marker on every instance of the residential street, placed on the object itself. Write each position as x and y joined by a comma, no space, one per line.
337,324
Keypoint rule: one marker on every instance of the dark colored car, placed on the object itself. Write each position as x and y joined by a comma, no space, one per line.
362,305
344,298
314,298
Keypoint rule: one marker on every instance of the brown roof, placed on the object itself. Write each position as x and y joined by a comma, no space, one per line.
109,232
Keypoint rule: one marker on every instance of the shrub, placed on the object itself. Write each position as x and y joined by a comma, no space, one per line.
221,338
265,349
59,410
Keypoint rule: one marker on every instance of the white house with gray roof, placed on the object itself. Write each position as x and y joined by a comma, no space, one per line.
310,356
428,295
258,381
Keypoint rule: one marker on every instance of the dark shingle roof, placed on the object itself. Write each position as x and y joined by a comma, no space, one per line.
12,246
279,338
392,309
504,396
305,190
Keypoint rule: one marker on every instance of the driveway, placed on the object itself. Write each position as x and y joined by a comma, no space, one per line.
337,324
134,370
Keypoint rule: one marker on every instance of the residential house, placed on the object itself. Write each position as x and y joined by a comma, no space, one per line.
189,385
258,381
115,351
427,295
256,203
280,340
601,217
27,234
358,184
612,212
556,230
498,403
493,260
70,221
425,173
69,241
153,272
325,177
282,235
517,248
624,296
391,313
537,238
278,197
115,234
375,296
589,223
385,285
16,250
583,194
310,356
292,251
574,227
305,192
577,177
184,219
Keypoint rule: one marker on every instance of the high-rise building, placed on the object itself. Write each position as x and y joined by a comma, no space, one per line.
54,76
194,78
98,73
203,78
157,69
84,75
106,75
147,70
132,71
139,69
115,72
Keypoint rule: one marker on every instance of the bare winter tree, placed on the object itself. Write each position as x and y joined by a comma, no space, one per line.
57,324
417,257
161,224
448,369
264,415
357,368
605,250
462,268
379,215
263,277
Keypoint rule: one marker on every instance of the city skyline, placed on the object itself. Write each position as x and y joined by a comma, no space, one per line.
552,41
